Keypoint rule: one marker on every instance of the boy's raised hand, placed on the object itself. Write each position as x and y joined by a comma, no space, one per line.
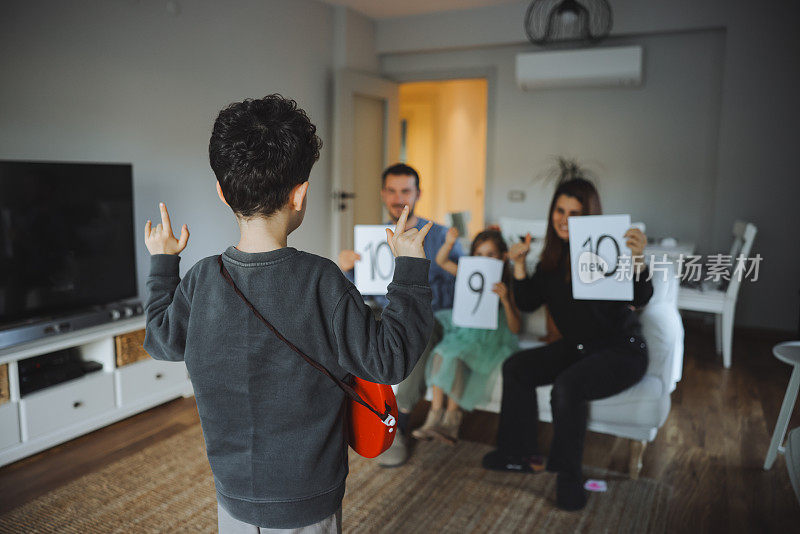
407,242
160,240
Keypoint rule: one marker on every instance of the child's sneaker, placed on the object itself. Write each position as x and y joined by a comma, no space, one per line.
447,429
425,432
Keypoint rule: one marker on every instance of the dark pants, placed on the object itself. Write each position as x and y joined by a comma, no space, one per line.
579,374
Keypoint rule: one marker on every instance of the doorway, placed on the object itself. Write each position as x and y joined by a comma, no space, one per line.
366,137
369,138
443,135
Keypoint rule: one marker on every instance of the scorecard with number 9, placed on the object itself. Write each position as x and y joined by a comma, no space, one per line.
475,304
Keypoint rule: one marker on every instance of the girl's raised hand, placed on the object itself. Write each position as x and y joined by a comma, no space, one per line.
502,291
452,235
160,240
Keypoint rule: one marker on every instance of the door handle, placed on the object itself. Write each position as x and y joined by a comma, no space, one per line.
342,197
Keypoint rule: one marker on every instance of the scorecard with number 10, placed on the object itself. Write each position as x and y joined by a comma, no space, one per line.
597,249
375,269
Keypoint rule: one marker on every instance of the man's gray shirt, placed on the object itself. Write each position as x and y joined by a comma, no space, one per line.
273,425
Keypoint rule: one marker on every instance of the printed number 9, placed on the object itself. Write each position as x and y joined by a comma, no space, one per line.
479,289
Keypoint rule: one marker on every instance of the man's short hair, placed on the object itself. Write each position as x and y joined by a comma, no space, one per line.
261,149
400,169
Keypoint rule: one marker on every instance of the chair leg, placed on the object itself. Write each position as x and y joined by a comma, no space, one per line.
727,337
783,418
637,451
718,331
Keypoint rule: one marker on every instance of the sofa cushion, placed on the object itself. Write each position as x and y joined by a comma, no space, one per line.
663,332
643,404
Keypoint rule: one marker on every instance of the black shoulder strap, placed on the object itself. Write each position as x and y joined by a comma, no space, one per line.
349,391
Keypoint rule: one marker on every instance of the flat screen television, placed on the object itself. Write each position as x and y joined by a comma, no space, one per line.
66,239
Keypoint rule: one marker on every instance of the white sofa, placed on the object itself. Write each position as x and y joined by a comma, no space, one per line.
638,412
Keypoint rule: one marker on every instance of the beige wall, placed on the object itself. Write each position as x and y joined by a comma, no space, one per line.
446,142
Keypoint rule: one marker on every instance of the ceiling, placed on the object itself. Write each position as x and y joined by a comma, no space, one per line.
383,9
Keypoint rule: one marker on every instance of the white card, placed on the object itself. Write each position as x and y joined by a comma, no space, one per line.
475,305
596,243
514,231
375,269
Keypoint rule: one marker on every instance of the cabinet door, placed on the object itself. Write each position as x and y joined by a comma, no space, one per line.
9,424
61,406
147,378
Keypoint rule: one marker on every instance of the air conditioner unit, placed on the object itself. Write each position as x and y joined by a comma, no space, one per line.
594,67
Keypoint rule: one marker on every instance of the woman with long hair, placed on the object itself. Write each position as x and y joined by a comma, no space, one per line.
602,351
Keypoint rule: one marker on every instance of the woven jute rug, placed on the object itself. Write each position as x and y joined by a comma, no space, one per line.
168,488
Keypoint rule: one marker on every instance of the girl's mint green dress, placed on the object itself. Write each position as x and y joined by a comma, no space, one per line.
465,364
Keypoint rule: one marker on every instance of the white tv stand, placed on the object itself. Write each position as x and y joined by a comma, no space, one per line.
56,414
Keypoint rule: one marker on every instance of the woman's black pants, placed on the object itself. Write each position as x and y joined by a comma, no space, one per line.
579,374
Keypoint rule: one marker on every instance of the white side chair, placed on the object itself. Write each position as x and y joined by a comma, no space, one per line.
787,352
722,303
793,460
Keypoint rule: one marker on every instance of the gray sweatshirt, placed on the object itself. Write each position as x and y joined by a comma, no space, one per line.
273,425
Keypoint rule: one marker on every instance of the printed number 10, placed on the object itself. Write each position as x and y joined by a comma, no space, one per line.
596,250
375,268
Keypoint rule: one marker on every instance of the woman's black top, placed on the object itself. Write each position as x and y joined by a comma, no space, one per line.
582,322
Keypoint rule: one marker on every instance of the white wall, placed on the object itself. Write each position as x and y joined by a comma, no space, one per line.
123,81
652,159
745,167
354,41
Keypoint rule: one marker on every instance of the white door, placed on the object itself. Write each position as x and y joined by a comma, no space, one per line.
366,139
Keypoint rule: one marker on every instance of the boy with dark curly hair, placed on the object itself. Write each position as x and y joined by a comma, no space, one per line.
273,425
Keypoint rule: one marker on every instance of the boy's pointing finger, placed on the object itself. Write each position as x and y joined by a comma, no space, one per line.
401,222
165,218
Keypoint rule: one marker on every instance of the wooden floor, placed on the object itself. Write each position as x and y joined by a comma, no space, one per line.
710,451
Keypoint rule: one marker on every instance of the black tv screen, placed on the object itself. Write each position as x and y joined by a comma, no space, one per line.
66,238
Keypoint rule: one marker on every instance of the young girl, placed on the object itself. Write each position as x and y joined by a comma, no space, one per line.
465,363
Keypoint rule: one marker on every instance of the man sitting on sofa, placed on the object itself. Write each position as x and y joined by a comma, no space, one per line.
400,188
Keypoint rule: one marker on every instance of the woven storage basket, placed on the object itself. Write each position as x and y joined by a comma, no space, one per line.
129,348
5,393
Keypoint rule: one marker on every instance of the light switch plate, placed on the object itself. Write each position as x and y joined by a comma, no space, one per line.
515,195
